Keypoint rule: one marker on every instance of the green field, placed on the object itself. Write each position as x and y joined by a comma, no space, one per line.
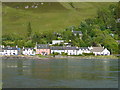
47,17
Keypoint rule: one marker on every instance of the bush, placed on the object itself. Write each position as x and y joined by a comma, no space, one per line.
88,54
64,54
76,55
39,55
55,53
80,55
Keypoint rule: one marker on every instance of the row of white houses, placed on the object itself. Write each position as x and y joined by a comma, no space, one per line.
81,50
16,51
9,50
45,49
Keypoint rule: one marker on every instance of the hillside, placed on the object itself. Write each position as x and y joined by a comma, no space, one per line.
47,16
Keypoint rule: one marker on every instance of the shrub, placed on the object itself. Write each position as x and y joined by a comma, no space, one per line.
88,54
64,54
55,53
39,55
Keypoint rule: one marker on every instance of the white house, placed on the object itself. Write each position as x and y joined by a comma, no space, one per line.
105,52
100,51
118,20
58,49
28,51
1,50
83,50
68,50
77,32
80,50
71,50
10,50
57,41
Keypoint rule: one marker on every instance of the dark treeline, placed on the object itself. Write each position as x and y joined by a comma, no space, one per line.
101,30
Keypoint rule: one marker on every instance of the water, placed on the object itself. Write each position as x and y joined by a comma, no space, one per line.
60,73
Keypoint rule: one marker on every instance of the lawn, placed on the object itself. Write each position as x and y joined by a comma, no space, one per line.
48,17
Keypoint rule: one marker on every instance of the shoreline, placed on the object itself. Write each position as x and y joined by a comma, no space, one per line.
58,57
23,57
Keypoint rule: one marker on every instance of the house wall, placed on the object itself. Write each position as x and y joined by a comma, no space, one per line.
58,51
57,41
79,51
71,52
82,51
28,52
97,53
39,51
105,52
2,53
11,52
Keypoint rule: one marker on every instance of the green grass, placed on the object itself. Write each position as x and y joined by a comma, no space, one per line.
47,18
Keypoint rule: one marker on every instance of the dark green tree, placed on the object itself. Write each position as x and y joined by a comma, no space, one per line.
29,30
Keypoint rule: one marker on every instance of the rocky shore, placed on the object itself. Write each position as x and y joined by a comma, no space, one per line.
58,57
89,57
23,57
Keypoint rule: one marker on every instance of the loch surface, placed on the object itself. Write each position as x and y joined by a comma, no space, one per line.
60,73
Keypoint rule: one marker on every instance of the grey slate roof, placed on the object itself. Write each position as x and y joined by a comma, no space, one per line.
97,49
28,48
57,48
83,48
62,48
75,32
43,46
118,20
10,48
71,48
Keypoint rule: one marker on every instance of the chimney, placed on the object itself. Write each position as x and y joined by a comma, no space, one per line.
90,47
3,46
16,46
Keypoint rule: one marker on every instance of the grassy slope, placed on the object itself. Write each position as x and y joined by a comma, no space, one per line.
47,17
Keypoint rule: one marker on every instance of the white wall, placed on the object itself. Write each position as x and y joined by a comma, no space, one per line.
105,52
71,52
57,41
11,52
2,53
78,52
58,51
28,52
82,51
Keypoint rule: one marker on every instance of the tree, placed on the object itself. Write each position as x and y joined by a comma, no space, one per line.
29,30
20,43
67,35
36,37
29,44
